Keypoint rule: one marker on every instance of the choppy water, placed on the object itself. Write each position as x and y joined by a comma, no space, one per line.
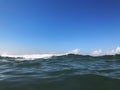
68,72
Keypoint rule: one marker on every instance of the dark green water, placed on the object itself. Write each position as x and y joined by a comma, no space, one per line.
71,72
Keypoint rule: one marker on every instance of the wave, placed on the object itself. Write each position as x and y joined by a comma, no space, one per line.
57,56
33,56
64,72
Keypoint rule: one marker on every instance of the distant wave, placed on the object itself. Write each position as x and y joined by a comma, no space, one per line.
32,56
76,51
45,56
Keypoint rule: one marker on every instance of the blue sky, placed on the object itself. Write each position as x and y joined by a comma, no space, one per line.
45,26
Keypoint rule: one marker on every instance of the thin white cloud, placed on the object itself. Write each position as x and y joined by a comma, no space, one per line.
97,52
75,51
109,52
114,51
118,50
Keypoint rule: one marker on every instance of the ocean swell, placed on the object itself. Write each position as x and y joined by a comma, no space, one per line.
65,72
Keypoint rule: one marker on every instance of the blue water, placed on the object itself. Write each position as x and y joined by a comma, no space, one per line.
67,72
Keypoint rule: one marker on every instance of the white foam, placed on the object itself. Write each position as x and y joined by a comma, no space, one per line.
35,56
31,56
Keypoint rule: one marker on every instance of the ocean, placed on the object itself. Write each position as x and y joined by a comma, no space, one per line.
66,72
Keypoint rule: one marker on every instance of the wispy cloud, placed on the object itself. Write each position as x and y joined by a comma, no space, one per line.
109,52
114,51
97,52
75,51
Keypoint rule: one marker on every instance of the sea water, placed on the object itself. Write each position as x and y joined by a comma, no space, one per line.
67,72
